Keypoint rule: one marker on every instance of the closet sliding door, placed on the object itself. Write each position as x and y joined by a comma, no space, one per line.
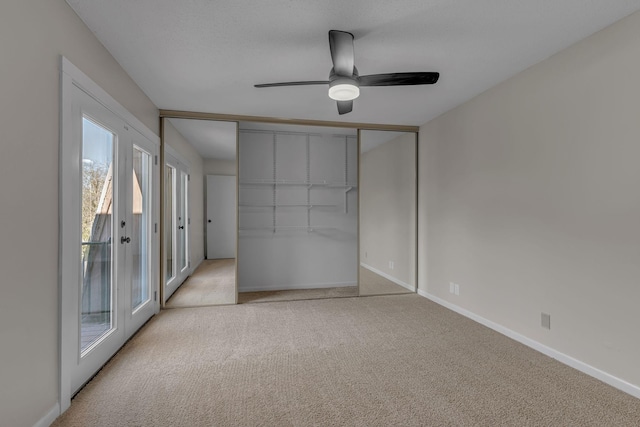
388,212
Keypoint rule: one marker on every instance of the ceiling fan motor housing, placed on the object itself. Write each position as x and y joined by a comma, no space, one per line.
344,88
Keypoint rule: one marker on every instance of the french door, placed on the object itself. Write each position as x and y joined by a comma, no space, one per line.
176,222
109,235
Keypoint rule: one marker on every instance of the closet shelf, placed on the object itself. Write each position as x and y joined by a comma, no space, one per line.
287,205
321,183
273,229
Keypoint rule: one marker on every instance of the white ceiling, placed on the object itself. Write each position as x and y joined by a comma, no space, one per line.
204,55
211,139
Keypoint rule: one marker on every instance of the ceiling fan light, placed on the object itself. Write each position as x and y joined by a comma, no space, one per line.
344,92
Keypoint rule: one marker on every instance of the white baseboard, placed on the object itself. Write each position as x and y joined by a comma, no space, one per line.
49,417
388,277
295,287
605,377
195,265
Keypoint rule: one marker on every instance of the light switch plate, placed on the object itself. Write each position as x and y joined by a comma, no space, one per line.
545,320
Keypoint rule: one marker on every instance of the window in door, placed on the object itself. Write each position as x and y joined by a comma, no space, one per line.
98,145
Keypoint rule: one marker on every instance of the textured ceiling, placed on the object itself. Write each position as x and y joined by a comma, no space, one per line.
204,55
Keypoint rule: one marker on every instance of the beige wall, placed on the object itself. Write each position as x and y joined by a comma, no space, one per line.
33,35
219,167
533,202
388,207
196,191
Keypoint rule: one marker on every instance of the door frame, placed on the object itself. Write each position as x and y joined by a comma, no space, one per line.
71,79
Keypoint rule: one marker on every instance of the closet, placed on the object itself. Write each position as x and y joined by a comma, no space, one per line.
298,208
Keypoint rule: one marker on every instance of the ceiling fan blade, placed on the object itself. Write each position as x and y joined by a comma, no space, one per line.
341,45
345,107
399,79
312,82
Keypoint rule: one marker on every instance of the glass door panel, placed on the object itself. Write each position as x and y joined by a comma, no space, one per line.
97,290
141,229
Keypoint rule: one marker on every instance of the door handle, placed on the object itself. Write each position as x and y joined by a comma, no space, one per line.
181,227
124,239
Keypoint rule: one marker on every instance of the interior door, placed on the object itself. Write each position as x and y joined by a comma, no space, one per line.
176,223
221,217
111,294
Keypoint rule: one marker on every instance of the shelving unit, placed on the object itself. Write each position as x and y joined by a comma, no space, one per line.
287,205
276,185
297,207
286,228
259,182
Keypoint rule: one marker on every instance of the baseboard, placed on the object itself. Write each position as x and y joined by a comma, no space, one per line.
605,377
195,265
49,417
296,287
388,277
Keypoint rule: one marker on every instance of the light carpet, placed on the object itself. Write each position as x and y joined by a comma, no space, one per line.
396,360
212,283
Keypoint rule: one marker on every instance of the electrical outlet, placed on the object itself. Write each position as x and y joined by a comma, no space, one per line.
391,265
457,289
545,320
452,287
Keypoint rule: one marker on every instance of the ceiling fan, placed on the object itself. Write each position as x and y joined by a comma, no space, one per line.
344,81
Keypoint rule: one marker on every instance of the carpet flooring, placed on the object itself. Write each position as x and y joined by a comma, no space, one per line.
397,360
212,283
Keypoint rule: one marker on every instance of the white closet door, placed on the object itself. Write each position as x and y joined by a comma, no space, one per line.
221,216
